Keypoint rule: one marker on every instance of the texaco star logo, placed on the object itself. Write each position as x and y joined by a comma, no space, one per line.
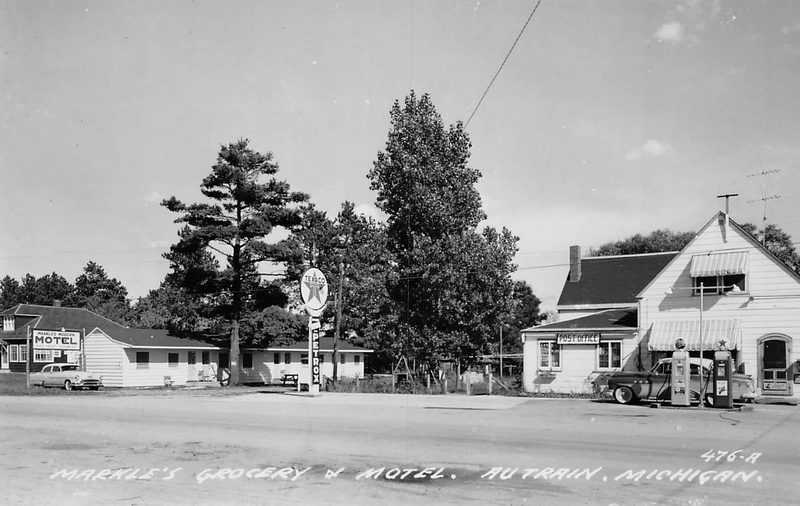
314,289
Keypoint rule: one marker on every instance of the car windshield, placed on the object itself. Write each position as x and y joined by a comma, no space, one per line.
69,367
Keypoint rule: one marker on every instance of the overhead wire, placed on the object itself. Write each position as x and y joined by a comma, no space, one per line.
486,91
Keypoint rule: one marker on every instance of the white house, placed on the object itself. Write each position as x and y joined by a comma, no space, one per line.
724,286
269,365
597,329
127,357
746,298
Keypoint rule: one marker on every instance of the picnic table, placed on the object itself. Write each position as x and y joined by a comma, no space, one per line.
289,378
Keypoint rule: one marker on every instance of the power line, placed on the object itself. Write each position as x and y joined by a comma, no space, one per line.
504,62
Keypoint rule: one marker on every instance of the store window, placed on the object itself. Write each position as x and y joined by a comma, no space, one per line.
276,358
206,357
609,355
23,352
356,359
13,353
247,360
192,358
173,359
142,359
549,355
342,360
287,358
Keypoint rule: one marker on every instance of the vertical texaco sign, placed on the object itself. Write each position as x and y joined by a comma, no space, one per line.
314,292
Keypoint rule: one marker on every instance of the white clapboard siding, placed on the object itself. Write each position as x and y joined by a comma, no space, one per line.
578,366
158,367
105,357
770,303
265,371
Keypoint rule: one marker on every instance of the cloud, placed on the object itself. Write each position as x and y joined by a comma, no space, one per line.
791,29
153,198
652,148
671,32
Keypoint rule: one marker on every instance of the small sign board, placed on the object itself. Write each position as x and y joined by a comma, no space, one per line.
314,290
56,339
578,338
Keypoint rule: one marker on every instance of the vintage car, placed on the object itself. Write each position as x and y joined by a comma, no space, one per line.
68,376
628,387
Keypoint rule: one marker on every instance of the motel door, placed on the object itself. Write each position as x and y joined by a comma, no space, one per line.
3,356
776,377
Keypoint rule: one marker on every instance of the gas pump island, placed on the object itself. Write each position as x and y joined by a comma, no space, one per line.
680,380
314,293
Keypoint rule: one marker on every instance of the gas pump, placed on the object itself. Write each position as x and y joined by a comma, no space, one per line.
680,394
723,382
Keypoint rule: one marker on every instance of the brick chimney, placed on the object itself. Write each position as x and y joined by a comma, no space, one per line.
574,264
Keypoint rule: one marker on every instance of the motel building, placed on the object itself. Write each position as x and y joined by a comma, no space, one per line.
128,357
271,364
626,312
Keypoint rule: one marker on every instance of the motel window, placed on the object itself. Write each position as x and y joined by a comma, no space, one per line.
8,323
247,360
13,353
142,359
23,352
43,356
304,358
206,357
173,359
356,359
192,358
276,358
609,355
287,358
342,360
549,355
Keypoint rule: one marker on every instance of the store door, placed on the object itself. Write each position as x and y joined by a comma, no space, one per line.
774,357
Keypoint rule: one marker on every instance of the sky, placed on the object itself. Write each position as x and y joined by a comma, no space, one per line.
608,118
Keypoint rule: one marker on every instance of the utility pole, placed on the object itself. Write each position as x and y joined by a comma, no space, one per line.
764,198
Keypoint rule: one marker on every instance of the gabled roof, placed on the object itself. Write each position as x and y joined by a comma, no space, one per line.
611,320
717,218
613,279
55,317
154,338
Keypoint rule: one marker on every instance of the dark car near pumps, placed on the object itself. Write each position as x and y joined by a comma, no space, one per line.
627,387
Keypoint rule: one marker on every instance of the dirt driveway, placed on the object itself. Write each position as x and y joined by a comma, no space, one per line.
269,448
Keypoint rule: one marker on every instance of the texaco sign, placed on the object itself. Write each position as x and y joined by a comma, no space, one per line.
314,291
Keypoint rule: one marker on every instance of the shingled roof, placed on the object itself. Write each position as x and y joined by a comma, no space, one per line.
613,279
613,319
154,338
35,316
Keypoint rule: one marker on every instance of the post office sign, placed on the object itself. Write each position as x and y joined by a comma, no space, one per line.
578,338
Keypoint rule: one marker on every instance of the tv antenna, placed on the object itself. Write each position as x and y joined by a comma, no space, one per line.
727,198
764,198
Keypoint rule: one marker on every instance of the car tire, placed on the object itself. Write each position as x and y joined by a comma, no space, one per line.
624,395
68,385
94,388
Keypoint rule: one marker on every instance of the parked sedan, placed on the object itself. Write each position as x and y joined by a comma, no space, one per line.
654,385
68,376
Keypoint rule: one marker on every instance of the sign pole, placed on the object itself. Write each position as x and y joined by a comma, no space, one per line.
314,293
28,358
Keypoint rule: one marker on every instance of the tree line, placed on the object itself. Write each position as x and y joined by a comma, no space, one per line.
428,283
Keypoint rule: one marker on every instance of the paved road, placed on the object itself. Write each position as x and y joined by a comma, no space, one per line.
382,449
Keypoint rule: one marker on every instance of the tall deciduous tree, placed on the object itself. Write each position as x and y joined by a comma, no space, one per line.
451,283
248,203
655,242
778,242
9,292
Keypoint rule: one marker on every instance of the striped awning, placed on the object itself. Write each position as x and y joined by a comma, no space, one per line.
719,264
725,331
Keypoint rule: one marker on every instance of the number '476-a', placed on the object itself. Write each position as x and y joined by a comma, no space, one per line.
718,455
